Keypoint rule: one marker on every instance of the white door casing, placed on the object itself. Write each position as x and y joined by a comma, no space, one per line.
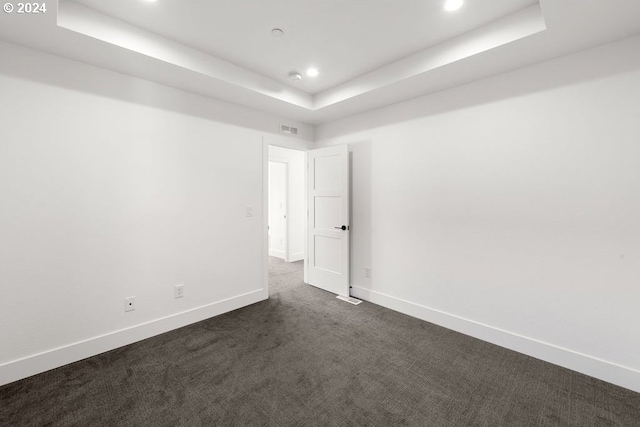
328,250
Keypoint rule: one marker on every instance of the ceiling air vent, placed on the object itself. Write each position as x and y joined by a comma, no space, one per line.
289,130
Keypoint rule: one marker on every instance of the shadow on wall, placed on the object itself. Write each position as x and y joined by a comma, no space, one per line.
362,231
593,64
26,64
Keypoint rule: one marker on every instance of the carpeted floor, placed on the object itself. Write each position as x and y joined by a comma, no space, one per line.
305,358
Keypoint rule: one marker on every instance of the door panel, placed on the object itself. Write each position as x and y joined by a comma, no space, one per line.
327,173
327,210
327,254
328,213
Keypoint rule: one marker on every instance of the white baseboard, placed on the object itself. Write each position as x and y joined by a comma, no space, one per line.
296,257
276,253
35,364
607,371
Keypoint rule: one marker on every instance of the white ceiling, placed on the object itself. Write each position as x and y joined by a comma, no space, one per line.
370,53
342,38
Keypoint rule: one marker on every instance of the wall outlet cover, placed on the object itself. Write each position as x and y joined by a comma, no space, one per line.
129,303
178,291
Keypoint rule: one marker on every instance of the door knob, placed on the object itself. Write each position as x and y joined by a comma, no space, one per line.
344,227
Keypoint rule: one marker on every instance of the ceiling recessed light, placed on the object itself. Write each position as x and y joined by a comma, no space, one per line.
277,32
150,1
312,72
452,5
294,76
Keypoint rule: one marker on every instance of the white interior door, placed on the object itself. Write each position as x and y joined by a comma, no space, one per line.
328,263
278,241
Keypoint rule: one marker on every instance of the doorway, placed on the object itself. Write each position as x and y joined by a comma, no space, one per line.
278,221
287,215
307,217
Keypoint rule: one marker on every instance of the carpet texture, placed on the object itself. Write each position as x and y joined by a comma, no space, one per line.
304,358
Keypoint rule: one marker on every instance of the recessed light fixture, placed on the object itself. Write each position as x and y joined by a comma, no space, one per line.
452,5
294,76
150,1
313,72
277,32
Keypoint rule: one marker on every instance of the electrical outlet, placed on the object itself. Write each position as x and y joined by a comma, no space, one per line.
367,272
178,291
130,304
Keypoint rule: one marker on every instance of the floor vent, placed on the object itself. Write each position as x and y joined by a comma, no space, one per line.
289,130
350,300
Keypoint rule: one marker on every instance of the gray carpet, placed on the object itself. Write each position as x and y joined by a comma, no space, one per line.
305,358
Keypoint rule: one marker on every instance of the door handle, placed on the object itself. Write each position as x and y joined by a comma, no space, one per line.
344,227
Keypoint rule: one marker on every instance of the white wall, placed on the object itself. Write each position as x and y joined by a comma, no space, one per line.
509,209
113,187
296,161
